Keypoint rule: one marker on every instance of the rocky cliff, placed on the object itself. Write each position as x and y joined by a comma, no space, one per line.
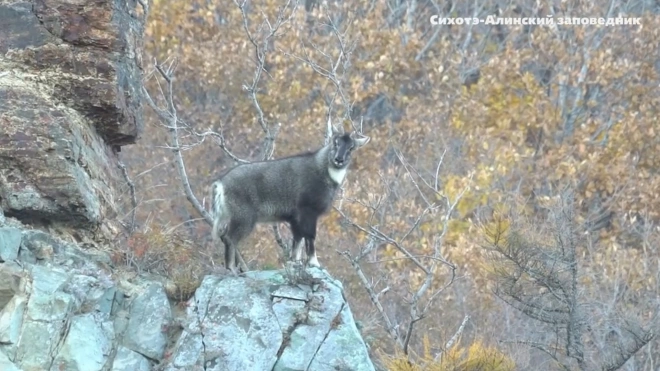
66,309
69,96
70,75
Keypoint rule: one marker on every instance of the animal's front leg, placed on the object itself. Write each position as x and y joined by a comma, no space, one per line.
298,240
312,260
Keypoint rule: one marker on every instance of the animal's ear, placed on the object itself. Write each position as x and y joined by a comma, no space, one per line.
331,132
360,140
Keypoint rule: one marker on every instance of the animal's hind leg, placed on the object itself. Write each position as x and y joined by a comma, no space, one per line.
230,254
237,231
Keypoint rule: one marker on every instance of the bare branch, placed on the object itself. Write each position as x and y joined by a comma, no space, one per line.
169,116
331,72
270,133
389,326
220,139
436,33
551,272
454,338
418,310
547,349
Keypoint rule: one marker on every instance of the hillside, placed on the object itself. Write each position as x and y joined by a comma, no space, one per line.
512,167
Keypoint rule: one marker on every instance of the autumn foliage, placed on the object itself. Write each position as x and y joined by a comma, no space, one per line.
456,358
513,114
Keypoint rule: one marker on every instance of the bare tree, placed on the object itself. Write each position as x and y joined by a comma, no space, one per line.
172,123
420,300
538,273
179,129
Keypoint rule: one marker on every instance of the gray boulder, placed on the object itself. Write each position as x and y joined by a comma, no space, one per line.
149,318
262,323
6,364
10,241
128,360
88,344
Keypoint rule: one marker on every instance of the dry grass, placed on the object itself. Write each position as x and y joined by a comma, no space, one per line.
476,357
167,252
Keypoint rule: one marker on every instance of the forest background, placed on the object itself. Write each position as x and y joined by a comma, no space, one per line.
506,207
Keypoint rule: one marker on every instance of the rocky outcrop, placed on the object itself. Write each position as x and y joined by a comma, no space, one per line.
69,96
68,310
261,322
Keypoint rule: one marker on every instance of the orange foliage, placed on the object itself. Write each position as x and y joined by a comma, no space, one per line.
509,134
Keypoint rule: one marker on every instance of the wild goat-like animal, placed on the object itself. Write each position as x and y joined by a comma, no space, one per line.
296,189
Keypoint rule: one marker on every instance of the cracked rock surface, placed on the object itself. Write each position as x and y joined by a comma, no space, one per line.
70,311
69,96
259,322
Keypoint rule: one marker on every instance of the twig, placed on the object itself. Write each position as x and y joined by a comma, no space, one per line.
270,133
220,139
542,347
436,33
389,326
330,72
454,338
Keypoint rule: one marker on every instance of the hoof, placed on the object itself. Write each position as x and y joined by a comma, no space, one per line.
292,264
234,271
314,262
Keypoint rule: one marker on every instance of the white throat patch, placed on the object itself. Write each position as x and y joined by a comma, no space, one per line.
337,175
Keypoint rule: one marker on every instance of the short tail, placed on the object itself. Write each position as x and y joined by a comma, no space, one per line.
218,211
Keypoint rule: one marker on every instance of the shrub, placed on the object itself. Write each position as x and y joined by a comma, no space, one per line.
476,357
